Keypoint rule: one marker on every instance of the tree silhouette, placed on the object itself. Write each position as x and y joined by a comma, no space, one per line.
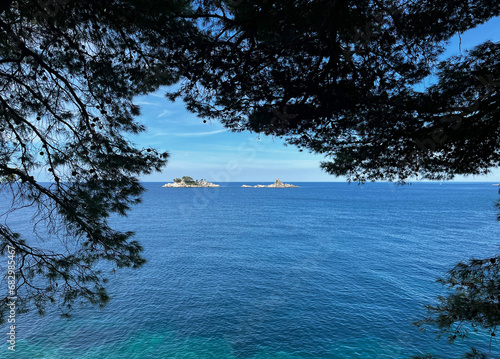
68,73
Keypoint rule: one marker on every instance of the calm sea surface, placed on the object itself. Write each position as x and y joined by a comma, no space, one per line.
327,270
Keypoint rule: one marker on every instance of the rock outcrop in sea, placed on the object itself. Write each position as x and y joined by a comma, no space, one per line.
277,184
200,183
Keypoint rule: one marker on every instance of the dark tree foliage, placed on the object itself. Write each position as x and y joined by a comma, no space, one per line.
473,303
68,73
344,79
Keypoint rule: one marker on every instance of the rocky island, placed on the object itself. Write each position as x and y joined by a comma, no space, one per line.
277,184
188,182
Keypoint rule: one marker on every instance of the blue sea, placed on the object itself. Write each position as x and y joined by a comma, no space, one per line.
327,270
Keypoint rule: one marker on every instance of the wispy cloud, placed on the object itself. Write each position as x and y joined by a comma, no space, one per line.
165,113
146,103
157,95
158,134
199,134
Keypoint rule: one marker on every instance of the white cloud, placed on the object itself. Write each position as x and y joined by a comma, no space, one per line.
157,95
157,134
165,113
146,103
199,134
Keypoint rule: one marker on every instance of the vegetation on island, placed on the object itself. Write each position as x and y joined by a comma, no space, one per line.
189,181
186,179
337,78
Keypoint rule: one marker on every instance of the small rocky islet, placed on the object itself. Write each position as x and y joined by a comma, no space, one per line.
189,182
276,184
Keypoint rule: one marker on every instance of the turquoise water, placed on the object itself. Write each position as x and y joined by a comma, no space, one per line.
328,270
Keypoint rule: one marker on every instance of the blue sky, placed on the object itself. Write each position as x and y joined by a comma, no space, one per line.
208,150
